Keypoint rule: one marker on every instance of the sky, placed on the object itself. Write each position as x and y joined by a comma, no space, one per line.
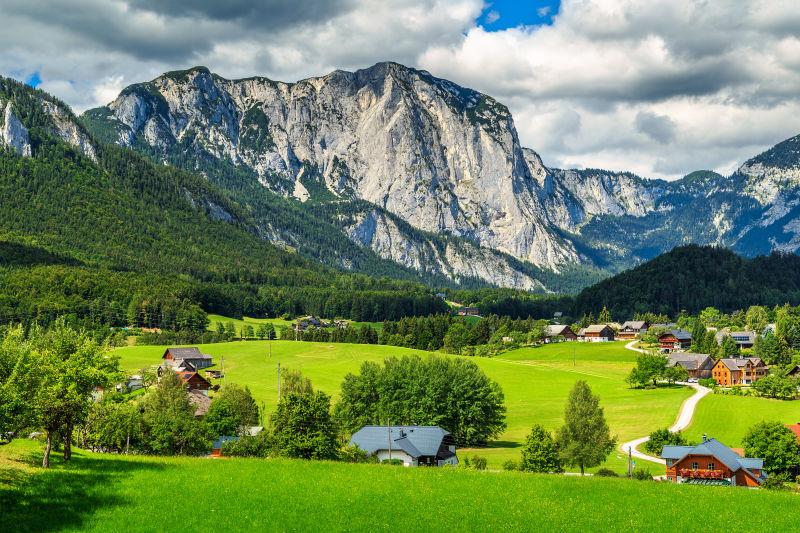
659,88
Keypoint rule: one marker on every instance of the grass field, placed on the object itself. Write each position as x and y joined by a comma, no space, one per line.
727,418
535,381
117,493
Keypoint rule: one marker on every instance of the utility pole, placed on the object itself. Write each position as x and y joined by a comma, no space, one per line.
573,354
223,368
279,382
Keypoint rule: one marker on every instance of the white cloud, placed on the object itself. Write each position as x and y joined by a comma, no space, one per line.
660,88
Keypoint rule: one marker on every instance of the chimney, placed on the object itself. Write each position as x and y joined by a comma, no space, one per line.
705,437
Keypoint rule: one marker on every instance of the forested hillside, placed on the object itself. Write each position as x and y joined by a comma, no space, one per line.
690,278
93,229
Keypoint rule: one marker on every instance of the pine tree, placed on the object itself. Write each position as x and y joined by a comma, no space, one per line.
584,440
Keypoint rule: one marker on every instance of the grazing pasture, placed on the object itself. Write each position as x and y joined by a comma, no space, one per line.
99,492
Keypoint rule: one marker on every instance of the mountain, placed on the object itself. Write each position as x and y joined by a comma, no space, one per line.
690,278
99,232
431,176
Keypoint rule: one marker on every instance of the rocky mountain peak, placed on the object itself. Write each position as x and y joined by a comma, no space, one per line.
12,133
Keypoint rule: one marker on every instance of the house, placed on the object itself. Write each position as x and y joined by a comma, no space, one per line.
194,381
598,333
214,374
632,329
697,365
793,373
739,371
559,332
712,463
796,430
469,311
743,339
190,356
219,442
616,326
674,339
413,445
200,401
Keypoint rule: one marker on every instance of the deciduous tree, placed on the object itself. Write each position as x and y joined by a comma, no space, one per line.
584,440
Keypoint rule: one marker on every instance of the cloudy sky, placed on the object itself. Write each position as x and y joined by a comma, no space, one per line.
660,87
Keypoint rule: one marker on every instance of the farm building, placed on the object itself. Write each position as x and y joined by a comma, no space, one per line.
697,365
794,372
469,311
739,371
192,356
413,445
559,332
200,400
598,333
674,340
712,463
194,381
632,329
219,442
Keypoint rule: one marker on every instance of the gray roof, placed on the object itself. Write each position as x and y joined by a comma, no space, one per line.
680,334
416,441
557,329
186,353
688,360
634,324
596,328
736,363
718,450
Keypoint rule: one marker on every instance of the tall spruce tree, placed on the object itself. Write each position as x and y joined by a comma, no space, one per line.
584,440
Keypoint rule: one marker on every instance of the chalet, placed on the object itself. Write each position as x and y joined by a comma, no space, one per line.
214,374
219,442
632,329
674,340
712,463
413,445
190,356
794,372
598,333
309,322
697,365
739,371
469,311
743,339
558,333
194,381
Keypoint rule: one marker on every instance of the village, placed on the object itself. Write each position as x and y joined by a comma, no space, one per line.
708,462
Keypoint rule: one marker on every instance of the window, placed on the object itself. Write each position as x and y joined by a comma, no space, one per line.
711,466
695,466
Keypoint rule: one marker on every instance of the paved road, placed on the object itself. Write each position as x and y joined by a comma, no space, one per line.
682,422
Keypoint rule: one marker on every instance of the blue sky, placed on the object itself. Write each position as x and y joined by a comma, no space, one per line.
503,14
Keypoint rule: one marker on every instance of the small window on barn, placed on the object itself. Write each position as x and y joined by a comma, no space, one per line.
695,466
711,466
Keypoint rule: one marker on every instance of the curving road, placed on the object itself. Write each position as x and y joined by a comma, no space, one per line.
682,422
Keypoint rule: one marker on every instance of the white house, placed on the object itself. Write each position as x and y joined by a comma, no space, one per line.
414,445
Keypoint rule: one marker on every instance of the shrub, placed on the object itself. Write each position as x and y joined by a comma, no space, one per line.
393,462
711,383
776,482
249,446
540,453
512,465
642,475
606,472
479,463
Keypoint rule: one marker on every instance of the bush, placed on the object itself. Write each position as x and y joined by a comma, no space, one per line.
354,454
776,482
393,462
711,383
642,475
512,465
606,472
249,446
479,463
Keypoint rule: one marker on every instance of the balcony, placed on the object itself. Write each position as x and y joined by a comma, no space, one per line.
688,473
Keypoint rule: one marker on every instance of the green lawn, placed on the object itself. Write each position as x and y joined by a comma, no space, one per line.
727,418
535,381
116,493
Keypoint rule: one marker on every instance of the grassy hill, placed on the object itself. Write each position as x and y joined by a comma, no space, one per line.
117,493
535,381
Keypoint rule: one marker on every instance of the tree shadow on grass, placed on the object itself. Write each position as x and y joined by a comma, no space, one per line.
64,496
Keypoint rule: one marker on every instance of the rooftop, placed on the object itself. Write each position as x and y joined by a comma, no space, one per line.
416,441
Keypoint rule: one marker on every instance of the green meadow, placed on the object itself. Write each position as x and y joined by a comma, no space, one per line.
98,492
535,381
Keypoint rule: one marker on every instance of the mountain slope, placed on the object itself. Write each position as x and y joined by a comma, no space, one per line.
105,223
690,278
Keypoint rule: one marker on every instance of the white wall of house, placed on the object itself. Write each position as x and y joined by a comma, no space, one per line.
383,455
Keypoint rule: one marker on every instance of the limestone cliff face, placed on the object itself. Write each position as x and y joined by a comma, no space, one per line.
446,160
12,133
